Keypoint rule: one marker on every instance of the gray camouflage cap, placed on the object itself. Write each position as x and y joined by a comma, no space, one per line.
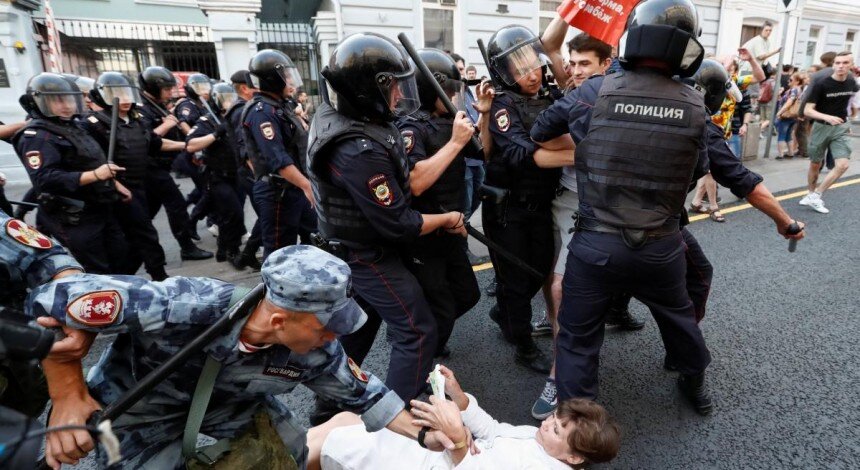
303,278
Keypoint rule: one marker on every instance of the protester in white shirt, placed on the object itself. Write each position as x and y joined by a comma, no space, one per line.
761,47
579,433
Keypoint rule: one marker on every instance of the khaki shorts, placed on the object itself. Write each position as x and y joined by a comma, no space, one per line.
564,207
824,136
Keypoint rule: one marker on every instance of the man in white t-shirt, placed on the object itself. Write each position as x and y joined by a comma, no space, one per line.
761,47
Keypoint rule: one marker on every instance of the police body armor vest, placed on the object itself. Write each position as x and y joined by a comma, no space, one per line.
533,185
220,158
339,218
636,162
297,147
163,160
446,194
88,156
132,146
239,151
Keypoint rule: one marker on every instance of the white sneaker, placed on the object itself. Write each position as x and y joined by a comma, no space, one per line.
806,199
817,204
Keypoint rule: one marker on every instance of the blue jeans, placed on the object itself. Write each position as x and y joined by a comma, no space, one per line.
474,179
735,144
783,130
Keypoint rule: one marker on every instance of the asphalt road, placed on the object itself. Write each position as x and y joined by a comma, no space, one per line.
782,330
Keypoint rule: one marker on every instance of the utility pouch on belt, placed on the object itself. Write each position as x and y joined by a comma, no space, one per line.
498,197
66,209
333,247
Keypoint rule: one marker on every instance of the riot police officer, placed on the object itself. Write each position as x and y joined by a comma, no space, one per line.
360,174
156,84
134,143
436,144
638,137
188,110
276,142
523,223
215,138
244,87
70,172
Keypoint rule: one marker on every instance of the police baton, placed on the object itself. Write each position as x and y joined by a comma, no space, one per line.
155,105
114,121
475,142
25,204
209,110
486,58
238,312
503,252
793,229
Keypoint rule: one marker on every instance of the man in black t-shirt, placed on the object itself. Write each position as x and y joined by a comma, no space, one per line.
828,108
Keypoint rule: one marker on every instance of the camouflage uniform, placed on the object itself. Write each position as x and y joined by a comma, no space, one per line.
27,259
155,319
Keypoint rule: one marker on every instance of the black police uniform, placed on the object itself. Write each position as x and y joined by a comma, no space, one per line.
522,224
81,217
220,173
161,189
360,176
188,111
639,137
244,175
437,259
135,142
275,139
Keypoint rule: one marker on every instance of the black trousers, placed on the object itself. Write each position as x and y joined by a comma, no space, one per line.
141,234
599,267
96,241
526,233
228,212
384,284
245,184
285,214
161,190
446,277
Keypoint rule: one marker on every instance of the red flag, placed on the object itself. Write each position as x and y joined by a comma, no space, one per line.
602,19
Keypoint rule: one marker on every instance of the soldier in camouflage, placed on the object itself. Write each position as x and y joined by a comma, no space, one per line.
288,339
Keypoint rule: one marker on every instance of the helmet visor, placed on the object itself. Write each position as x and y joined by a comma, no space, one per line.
517,63
456,91
225,100
126,94
61,105
201,88
85,84
400,92
290,76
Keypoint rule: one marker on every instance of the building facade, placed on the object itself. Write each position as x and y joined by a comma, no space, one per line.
217,37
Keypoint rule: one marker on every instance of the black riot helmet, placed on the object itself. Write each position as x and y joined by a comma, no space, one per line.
223,97
446,74
514,52
713,80
272,70
153,79
197,85
50,95
372,77
112,85
85,84
665,31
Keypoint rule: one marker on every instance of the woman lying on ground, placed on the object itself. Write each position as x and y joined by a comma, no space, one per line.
579,433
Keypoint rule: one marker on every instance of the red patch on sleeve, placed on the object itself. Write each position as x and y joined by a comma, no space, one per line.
26,235
356,371
33,159
99,308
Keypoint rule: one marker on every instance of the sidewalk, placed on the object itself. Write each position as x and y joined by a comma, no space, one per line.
778,176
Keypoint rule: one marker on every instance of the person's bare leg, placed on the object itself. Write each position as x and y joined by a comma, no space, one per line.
700,192
812,175
552,315
711,188
318,434
838,170
549,298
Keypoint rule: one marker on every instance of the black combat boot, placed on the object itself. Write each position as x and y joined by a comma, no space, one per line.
495,316
696,392
529,355
246,259
192,253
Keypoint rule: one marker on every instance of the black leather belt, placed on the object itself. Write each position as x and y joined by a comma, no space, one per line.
671,226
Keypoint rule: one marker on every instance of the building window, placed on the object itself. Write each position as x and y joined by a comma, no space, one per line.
850,41
809,56
439,27
550,5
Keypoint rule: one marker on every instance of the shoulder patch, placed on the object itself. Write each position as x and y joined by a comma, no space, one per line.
356,371
378,185
98,308
30,132
93,119
185,111
267,130
204,118
33,159
408,140
24,234
503,120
